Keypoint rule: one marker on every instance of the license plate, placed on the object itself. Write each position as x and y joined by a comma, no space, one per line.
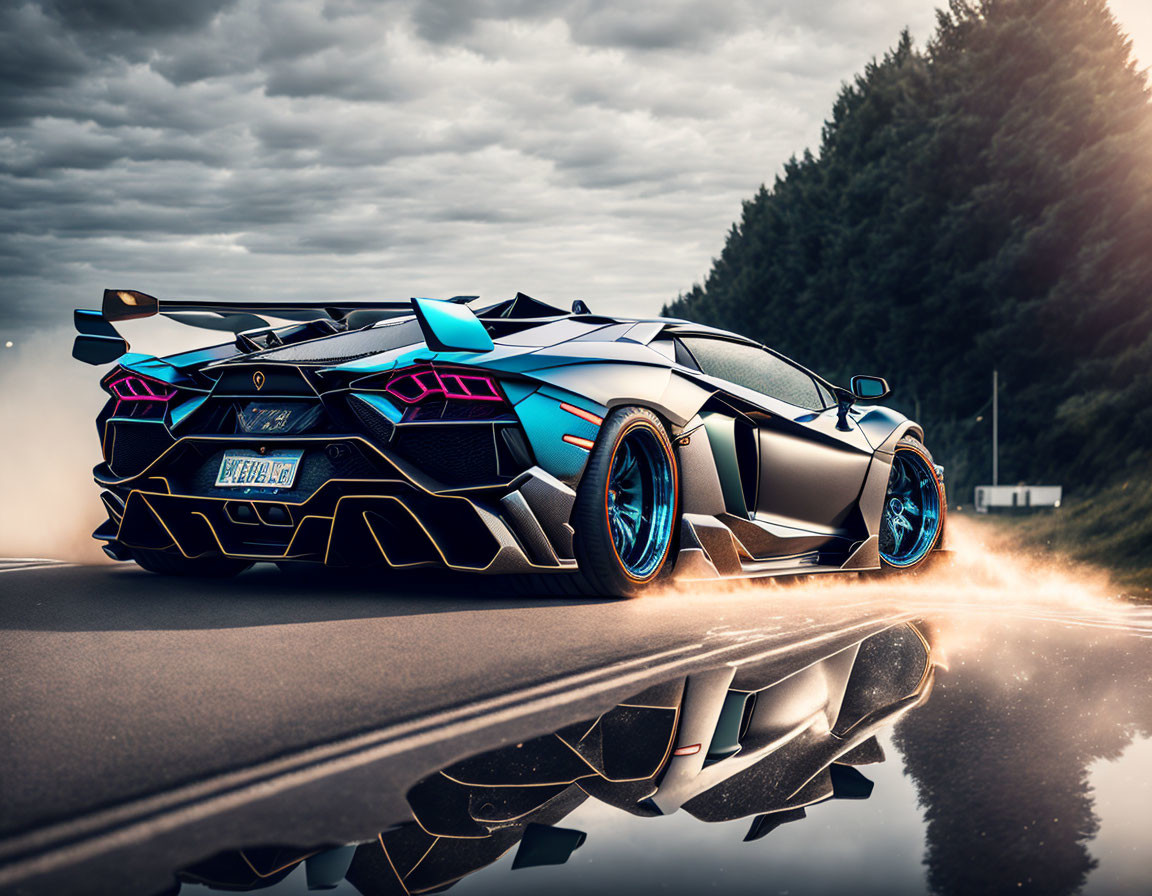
241,468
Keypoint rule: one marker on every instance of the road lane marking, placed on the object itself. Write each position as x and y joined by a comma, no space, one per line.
22,565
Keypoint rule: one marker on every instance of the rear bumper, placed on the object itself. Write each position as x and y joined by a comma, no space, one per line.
386,512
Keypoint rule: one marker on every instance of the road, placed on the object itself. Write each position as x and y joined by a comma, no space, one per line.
150,720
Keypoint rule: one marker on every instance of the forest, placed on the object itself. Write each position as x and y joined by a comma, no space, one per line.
981,203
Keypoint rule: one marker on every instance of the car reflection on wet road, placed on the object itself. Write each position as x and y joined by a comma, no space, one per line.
998,758
727,741
745,742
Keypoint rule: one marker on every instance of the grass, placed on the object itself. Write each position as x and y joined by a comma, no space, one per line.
1111,529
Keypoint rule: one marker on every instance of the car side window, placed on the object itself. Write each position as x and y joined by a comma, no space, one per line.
683,356
755,368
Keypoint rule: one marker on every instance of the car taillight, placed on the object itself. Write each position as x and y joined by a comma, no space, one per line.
138,395
414,386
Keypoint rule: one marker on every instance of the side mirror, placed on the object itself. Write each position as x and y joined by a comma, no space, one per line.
98,349
128,304
869,388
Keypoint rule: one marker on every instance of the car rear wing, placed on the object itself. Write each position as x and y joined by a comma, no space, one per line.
99,342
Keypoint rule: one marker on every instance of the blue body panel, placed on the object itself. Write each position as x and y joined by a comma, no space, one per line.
546,423
155,368
181,412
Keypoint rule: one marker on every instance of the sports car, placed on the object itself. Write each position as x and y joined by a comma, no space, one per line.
594,454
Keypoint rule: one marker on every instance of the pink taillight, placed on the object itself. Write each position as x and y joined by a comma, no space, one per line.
132,388
414,386
691,750
136,388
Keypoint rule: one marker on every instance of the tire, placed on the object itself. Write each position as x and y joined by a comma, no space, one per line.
912,522
167,563
626,506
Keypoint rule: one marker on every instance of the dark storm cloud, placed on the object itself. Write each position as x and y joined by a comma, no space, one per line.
54,43
653,24
84,148
34,55
138,16
301,147
658,25
444,21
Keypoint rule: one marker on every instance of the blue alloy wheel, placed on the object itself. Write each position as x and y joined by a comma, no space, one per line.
640,501
911,518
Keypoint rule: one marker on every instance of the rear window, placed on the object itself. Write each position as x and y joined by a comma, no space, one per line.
351,345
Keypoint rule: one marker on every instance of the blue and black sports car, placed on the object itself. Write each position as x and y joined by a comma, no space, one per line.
597,454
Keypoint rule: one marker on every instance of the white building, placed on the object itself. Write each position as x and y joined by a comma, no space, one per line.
999,498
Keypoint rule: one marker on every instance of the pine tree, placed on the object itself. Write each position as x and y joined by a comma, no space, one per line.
985,202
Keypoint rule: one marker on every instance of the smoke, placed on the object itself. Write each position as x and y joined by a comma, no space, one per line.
48,404
983,580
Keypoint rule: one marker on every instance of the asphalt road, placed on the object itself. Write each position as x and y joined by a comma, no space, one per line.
165,718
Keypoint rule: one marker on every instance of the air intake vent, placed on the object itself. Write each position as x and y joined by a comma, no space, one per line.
455,455
133,445
376,425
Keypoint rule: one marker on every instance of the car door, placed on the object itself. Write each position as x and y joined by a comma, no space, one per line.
810,472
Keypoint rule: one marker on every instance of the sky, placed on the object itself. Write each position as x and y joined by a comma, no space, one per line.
251,149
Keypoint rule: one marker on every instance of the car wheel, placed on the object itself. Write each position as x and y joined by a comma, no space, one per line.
173,564
626,505
914,507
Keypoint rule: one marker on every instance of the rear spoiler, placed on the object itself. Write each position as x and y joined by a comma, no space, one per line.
100,343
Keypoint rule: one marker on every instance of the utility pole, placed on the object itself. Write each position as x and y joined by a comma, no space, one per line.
995,427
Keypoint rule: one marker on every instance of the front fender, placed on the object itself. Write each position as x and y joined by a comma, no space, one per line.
884,427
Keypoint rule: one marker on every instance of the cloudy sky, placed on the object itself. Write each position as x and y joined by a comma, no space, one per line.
348,148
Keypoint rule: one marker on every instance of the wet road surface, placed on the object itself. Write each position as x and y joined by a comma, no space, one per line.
150,723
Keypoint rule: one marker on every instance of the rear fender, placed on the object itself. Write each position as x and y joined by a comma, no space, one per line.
657,388
561,428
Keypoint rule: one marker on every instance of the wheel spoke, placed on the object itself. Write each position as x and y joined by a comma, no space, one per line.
900,486
629,537
623,460
617,532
